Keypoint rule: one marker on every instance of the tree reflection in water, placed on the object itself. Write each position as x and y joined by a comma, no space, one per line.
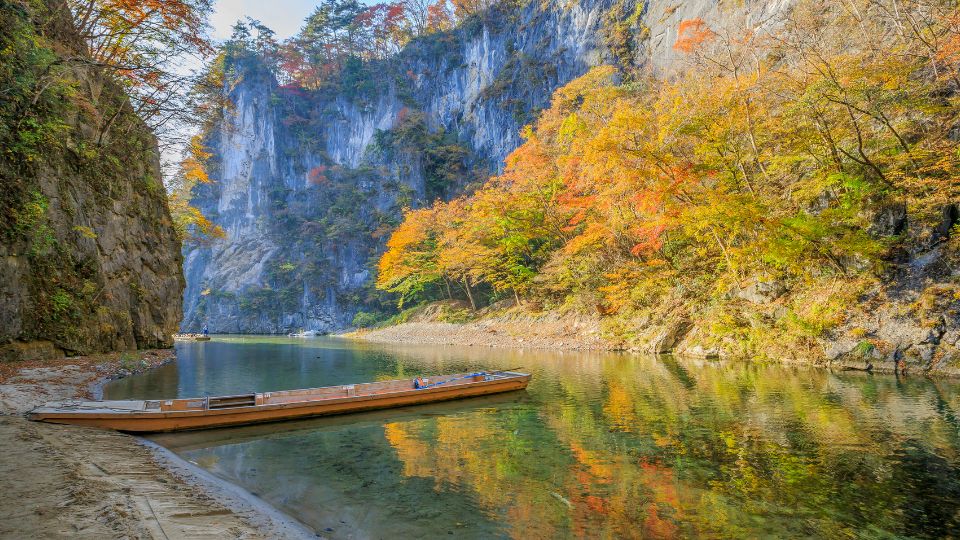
602,445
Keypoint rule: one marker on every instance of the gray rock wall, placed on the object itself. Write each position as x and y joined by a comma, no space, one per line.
478,84
89,259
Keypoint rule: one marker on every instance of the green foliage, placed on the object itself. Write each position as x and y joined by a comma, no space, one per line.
364,319
357,80
449,314
864,349
61,303
35,99
31,215
520,77
444,158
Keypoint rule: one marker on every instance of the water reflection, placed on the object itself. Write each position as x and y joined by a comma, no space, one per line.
600,445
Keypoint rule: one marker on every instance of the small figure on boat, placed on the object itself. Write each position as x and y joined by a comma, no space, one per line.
206,330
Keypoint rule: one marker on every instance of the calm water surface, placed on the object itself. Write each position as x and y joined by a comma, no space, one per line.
599,446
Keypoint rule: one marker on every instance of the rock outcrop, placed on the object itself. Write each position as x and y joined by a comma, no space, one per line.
309,184
89,259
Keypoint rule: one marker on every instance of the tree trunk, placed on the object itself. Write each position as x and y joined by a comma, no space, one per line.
466,282
446,281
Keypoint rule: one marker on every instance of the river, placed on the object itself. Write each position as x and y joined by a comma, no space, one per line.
600,445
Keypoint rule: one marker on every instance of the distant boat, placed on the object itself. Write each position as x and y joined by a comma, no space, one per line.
304,333
221,411
191,337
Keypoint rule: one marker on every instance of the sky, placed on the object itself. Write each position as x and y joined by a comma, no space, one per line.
282,16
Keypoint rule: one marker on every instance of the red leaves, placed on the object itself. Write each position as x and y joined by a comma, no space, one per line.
439,17
691,34
395,13
649,238
293,90
317,176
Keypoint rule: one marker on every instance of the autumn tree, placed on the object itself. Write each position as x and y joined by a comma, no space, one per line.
143,43
192,226
409,266
439,17
772,156
465,8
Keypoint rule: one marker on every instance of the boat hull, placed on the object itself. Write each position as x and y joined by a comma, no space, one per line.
162,421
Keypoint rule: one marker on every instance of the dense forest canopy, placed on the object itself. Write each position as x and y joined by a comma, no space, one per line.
803,161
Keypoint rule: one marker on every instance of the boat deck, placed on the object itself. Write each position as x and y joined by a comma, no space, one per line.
277,398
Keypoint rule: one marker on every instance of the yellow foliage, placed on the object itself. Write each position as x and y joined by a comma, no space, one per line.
766,156
190,223
194,165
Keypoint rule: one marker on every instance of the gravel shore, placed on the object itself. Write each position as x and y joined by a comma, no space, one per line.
514,329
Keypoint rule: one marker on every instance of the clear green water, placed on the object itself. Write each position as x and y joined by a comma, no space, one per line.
599,446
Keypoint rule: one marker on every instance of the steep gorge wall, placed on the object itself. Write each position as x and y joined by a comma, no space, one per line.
89,259
308,185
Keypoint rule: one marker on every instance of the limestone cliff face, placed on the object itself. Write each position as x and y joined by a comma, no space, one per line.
308,185
89,259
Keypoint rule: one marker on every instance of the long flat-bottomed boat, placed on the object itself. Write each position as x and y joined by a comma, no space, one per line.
143,416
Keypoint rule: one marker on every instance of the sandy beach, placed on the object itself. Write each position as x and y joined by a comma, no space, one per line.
72,482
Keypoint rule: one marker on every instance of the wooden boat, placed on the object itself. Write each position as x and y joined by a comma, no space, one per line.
304,333
211,412
191,337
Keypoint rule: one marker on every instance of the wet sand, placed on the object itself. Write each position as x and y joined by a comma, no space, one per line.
73,482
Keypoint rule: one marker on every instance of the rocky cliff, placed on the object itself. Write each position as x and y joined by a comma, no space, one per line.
308,184
89,260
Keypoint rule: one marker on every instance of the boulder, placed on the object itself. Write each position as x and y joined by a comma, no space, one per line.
20,351
669,336
888,219
761,291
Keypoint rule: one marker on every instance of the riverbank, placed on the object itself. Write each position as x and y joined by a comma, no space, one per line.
918,334
67,481
510,328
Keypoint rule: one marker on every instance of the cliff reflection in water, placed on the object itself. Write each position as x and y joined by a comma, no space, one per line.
600,445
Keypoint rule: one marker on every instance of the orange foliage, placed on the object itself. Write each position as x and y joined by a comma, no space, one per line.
439,17
623,195
691,34
317,175
194,165
137,39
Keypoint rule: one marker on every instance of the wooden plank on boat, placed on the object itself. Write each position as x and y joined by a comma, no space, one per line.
233,410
